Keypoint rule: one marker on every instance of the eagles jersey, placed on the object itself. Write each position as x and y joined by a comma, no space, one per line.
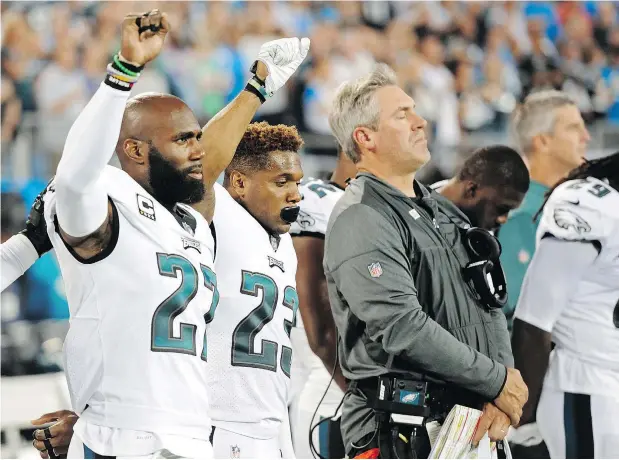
319,199
136,348
250,357
586,334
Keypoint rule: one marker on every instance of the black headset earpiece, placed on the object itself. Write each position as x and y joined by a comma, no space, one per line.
483,243
485,250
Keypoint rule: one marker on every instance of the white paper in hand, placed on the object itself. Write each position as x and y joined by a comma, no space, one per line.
455,437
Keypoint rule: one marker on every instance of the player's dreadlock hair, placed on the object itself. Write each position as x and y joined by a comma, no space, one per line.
260,139
601,168
496,166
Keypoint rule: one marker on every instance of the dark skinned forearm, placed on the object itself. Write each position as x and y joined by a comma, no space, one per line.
531,347
222,134
314,304
220,138
325,349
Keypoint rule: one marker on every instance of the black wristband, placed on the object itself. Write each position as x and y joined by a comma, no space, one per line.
116,83
260,81
250,88
127,65
253,69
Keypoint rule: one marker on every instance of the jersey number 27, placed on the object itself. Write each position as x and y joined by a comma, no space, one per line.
162,334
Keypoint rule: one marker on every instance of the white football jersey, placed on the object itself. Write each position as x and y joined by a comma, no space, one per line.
136,348
319,199
586,334
250,360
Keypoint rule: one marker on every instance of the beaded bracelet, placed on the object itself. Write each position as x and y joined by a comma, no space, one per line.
125,69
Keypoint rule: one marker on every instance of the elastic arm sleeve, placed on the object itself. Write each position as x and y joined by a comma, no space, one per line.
388,305
541,302
82,203
17,255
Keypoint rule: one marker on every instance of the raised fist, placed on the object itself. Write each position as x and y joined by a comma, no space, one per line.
282,58
143,36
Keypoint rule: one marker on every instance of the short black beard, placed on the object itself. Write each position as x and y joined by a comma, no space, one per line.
170,185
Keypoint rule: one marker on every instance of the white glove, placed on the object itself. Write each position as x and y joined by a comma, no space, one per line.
282,57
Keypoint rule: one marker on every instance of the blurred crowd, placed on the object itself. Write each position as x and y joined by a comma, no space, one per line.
467,65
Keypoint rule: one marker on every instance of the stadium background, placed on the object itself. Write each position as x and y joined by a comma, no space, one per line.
466,64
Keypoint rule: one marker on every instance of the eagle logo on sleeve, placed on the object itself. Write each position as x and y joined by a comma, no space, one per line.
305,220
566,219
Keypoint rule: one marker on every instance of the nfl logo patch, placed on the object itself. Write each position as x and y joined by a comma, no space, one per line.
523,256
375,269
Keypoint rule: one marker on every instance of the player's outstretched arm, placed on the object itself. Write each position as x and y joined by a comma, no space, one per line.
17,254
275,64
81,200
21,251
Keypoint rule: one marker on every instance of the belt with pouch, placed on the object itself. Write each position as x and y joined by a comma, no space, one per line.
406,395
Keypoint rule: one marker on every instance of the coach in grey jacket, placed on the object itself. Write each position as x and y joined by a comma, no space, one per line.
393,262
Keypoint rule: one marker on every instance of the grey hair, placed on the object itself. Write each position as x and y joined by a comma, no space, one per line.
537,115
355,105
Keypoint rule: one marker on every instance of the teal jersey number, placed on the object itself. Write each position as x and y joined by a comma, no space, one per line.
597,190
243,350
243,337
162,335
210,281
319,188
578,184
291,300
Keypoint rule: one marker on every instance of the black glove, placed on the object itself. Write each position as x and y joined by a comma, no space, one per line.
36,230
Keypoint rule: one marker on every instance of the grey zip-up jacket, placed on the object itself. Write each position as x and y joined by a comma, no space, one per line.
394,272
